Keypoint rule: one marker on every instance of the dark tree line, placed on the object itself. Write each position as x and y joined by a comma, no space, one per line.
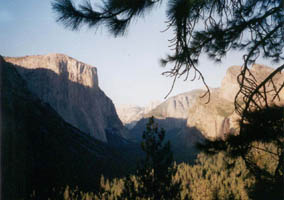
154,176
214,28
260,144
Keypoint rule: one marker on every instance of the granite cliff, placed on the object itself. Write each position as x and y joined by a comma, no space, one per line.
131,114
186,111
172,115
211,119
229,86
176,106
71,88
39,150
218,117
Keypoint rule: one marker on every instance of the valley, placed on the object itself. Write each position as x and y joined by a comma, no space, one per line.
59,127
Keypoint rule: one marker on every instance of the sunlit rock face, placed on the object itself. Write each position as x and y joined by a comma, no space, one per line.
40,150
171,115
131,114
218,116
176,106
213,118
230,86
71,88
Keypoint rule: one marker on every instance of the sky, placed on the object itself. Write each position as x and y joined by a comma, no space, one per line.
128,67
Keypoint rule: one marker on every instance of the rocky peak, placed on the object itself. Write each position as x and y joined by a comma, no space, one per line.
39,150
61,64
261,70
230,87
176,106
218,116
152,105
71,88
130,114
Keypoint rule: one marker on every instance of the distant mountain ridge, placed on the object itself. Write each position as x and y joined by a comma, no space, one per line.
71,87
176,106
54,112
218,116
172,115
40,150
131,114
212,119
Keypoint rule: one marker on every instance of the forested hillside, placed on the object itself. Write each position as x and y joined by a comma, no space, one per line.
41,151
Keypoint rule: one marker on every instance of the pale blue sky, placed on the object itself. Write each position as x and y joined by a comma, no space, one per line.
128,67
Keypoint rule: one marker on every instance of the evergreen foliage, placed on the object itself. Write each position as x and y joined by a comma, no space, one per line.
153,178
213,27
216,27
211,177
260,144
215,177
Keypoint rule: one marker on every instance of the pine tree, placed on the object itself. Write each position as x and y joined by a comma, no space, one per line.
154,176
211,27
260,143
214,28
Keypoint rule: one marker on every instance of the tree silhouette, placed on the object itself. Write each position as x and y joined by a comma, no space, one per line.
260,143
154,176
213,27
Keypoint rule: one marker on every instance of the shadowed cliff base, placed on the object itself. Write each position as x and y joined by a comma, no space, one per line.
183,139
57,90
71,88
41,151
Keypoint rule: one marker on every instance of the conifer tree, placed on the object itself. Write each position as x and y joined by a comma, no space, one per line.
214,28
211,27
154,176
260,143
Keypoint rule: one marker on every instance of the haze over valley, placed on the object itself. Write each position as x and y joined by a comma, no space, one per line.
59,99
136,100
